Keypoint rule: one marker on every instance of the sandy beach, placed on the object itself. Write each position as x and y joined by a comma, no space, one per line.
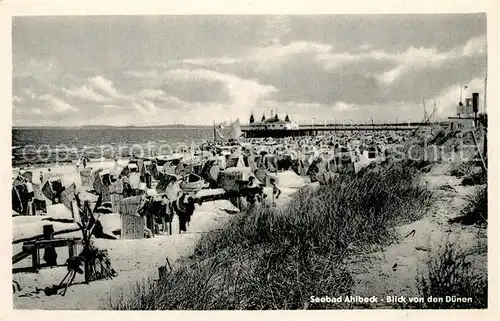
133,260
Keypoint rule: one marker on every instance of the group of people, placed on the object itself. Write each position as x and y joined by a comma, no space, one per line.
254,192
83,161
25,192
160,212
22,195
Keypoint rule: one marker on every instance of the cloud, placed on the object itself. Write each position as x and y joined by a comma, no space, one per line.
274,30
304,71
159,96
16,99
212,61
275,56
153,93
342,107
100,91
267,59
57,104
364,47
30,93
37,68
145,107
447,100
85,92
475,46
421,58
144,73
243,92
302,74
141,74
106,86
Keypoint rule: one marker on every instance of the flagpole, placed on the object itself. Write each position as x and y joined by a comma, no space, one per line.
215,135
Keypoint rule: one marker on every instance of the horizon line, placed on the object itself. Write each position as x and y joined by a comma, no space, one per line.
173,126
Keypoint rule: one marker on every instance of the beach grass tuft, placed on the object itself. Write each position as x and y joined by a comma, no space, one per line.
452,281
476,211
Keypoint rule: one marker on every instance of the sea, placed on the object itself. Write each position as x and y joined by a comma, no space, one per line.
48,145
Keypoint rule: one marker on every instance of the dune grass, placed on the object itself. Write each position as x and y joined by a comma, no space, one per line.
277,258
476,211
450,274
469,172
478,205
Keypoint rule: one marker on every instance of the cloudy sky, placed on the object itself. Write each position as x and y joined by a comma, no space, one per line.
152,70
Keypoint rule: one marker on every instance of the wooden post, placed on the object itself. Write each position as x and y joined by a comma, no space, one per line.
50,255
72,249
33,208
162,270
35,259
168,264
86,250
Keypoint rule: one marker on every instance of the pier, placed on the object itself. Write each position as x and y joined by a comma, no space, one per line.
315,129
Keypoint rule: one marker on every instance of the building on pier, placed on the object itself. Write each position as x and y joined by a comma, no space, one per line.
466,115
277,128
273,123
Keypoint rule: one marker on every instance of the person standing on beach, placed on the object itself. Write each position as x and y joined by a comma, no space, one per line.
276,190
189,209
166,214
184,208
253,193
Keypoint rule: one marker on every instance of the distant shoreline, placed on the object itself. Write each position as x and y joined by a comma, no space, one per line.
112,127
